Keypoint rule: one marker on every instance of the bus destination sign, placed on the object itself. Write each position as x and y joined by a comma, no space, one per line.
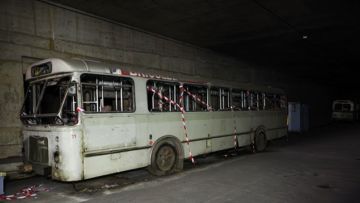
41,69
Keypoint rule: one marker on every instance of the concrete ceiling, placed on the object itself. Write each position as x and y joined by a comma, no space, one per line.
317,39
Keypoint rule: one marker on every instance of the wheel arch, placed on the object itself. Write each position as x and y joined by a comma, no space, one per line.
260,129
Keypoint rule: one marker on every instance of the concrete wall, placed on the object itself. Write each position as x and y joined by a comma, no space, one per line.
31,30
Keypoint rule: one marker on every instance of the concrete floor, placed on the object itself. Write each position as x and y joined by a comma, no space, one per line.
320,166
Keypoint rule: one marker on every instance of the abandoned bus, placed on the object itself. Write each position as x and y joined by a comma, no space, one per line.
346,110
84,119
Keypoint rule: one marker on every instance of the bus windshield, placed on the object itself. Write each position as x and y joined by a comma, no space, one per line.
51,101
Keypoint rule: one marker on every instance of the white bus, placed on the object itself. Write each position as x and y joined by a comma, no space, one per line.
85,119
346,110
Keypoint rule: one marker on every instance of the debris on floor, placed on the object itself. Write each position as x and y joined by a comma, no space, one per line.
27,192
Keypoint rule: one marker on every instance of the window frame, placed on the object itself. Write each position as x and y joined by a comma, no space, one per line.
175,93
190,98
97,76
221,98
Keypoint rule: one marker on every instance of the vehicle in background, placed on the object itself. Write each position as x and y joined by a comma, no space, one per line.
346,110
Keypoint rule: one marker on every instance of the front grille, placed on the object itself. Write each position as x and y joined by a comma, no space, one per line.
38,149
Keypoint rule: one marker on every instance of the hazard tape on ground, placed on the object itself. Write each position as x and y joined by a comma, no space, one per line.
28,192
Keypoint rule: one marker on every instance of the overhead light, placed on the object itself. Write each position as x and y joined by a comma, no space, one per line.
304,37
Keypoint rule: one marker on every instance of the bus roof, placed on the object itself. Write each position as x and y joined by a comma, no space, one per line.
53,66
56,65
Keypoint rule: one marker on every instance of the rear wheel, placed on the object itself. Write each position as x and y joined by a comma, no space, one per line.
260,142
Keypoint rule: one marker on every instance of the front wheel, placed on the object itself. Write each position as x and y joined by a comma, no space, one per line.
166,158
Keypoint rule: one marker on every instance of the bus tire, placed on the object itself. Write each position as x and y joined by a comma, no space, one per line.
166,157
260,141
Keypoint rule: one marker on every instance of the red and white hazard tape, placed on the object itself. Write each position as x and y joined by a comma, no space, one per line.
27,192
79,109
157,92
181,101
235,131
197,99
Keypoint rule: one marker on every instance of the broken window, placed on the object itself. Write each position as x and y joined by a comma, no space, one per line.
262,101
240,99
50,101
273,102
156,101
257,101
236,98
194,97
220,98
107,93
253,103
200,102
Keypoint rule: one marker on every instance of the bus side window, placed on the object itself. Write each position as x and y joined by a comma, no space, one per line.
87,97
283,102
244,99
225,99
102,93
165,89
236,99
269,101
273,102
215,98
258,101
254,101
277,101
262,104
248,100
200,92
